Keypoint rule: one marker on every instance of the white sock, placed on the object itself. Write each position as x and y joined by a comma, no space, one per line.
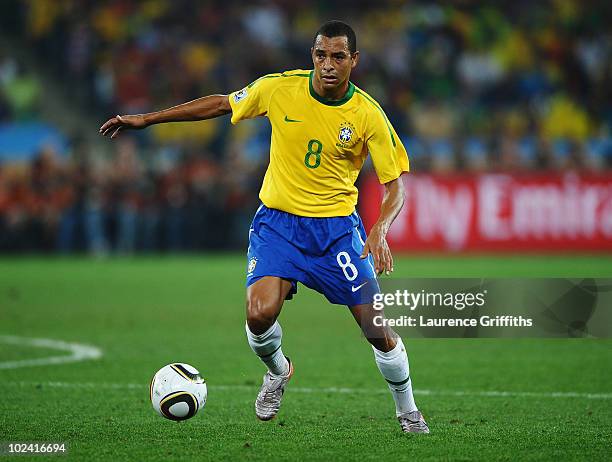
393,365
268,347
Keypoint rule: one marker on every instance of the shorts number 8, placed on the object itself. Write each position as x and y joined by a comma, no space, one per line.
344,261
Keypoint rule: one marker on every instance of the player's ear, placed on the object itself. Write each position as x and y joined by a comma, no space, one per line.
354,59
312,54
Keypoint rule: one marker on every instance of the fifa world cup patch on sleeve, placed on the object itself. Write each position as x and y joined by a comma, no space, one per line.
240,95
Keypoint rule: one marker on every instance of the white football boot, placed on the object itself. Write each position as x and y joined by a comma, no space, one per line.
413,422
269,398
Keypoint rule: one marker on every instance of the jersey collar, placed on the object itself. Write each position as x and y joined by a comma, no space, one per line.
331,102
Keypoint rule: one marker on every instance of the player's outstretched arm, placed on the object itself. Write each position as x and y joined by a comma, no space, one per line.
376,243
203,108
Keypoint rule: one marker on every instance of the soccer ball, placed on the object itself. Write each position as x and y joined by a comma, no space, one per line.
178,391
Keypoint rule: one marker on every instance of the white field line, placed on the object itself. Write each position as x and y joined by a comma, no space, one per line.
78,351
330,390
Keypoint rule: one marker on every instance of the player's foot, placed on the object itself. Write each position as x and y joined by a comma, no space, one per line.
413,422
269,398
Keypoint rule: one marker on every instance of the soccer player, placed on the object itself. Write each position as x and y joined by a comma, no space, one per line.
306,229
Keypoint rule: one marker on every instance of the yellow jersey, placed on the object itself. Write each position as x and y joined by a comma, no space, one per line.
318,146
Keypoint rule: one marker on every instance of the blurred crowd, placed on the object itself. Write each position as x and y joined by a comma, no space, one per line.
469,86
123,205
480,69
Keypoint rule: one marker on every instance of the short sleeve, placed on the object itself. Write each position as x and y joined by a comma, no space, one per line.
253,100
389,155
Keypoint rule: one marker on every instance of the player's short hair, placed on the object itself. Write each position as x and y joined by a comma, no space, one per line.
338,29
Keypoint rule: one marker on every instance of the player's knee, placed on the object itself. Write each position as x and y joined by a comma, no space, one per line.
261,313
381,338
384,344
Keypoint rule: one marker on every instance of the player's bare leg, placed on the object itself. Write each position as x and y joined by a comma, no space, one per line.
392,362
265,299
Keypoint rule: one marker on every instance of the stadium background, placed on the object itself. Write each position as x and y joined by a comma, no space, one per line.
505,109
515,88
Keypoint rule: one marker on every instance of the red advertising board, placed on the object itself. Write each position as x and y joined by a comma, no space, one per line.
498,212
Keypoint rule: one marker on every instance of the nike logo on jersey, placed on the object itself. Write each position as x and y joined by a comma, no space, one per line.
287,119
355,289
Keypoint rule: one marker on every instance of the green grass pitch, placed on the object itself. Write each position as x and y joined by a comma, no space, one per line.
485,399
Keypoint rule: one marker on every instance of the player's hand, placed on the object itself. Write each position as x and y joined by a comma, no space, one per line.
122,122
376,244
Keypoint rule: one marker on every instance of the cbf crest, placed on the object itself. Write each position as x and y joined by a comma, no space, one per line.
346,135
252,264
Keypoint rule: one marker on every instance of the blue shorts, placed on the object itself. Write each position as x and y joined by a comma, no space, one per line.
321,253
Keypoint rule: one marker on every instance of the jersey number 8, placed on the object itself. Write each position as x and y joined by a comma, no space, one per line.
314,149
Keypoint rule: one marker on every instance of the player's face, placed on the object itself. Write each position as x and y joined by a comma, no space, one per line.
333,63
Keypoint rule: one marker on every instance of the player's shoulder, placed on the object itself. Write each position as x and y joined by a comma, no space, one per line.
366,101
376,119
296,73
292,77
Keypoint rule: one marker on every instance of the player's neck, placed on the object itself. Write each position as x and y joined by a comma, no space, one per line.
334,94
